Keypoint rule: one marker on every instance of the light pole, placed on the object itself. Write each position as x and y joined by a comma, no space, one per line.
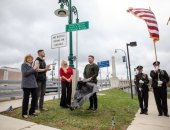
125,60
64,13
132,44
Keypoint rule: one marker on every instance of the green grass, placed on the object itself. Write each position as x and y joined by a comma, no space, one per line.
114,100
169,95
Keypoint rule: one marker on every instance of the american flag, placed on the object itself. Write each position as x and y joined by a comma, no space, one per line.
148,16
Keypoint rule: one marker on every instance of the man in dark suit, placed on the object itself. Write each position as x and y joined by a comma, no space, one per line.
160,79
141,82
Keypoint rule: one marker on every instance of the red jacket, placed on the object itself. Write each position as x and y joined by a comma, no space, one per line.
68,74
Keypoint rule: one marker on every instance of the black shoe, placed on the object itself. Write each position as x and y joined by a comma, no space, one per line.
141,112
72,108
90,108
159,114
166,115
146,113
95,109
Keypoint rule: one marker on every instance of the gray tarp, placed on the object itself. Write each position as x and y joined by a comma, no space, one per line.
83,92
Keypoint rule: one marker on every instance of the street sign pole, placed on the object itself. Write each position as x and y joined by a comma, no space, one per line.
59,73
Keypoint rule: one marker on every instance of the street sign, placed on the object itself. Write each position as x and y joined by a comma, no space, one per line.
102,64
59,40
77,26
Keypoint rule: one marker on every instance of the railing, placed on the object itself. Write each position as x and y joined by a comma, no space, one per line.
51,86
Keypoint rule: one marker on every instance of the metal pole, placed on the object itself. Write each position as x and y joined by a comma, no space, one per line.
52,72
77,21
129,71
127,67
70,37
59,73
101,85
126,62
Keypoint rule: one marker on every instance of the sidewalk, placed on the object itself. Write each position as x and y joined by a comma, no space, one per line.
151,121
9,123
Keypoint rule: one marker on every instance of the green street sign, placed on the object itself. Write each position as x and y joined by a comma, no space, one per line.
77,26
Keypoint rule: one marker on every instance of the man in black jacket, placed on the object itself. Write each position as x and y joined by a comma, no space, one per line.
41,78
90,73
141,81
160,79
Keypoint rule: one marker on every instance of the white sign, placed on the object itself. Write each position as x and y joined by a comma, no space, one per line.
59,40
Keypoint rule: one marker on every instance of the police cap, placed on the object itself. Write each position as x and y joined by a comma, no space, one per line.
156,63
139,67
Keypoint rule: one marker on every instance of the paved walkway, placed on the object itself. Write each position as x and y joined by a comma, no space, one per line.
151,121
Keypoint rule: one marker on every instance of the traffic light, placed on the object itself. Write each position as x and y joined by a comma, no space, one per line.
124,58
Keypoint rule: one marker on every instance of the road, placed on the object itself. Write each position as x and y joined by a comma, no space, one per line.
10,92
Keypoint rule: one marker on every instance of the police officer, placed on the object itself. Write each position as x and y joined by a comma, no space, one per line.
159,80
141,82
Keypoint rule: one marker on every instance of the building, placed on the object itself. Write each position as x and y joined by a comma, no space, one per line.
7,73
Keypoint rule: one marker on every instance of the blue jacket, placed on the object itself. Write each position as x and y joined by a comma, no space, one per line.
28,76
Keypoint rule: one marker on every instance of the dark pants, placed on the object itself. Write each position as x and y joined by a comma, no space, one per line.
40,94
66,94
143,100
93,101
161,99
25,102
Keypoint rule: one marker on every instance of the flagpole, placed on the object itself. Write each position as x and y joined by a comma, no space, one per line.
155,51
156,57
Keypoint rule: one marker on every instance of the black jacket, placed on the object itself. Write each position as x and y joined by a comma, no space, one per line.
41,76
143,77
163,76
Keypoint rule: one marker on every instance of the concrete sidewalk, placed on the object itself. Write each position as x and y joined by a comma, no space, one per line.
151,121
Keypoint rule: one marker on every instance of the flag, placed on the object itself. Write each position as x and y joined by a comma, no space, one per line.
168,20
148,16
9,109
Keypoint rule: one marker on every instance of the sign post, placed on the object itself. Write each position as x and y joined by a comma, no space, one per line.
57,41
102,64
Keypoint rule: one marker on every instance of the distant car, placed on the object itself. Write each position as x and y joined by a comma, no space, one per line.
51,87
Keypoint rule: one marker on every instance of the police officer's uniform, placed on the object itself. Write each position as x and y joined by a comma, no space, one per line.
141,81
159,80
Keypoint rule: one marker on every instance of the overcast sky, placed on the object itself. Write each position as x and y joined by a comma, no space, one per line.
27,25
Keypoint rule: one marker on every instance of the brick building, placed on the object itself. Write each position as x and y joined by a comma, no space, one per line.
7,73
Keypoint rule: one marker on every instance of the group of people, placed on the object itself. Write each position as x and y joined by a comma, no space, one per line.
66,73
34,83
160,79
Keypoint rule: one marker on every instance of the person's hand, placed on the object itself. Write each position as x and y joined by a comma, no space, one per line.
69,80
89,79
35,67
141,81
140,89
47,68
160,82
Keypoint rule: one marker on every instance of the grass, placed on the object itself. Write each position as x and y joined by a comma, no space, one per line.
168,95
109,101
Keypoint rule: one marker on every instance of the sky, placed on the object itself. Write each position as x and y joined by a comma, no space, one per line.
27,25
